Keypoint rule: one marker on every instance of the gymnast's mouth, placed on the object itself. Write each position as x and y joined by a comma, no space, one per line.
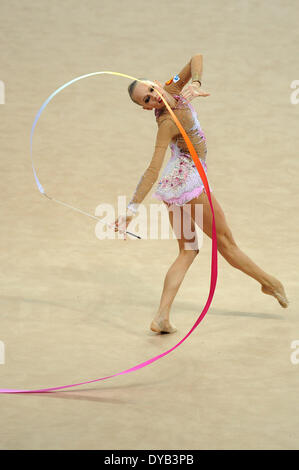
160,100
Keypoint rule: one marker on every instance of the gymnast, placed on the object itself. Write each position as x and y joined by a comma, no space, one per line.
180,185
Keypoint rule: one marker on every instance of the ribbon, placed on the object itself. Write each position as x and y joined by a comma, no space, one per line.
214,263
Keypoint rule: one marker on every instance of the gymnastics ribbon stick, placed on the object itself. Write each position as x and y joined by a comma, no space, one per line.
214,262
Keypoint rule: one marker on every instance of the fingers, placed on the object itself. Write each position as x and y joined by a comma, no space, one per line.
119,226
193,90
113,226
194,94
203,93
186,95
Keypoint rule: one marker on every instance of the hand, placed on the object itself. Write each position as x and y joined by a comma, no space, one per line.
193,90
121,223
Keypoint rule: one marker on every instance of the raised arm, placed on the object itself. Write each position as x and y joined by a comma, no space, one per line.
192,70
167,130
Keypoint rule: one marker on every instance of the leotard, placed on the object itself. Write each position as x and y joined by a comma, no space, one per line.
180,181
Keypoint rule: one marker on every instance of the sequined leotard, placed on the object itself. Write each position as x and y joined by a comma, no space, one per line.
180,181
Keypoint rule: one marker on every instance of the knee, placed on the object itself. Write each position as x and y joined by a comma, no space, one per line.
189,255
225,243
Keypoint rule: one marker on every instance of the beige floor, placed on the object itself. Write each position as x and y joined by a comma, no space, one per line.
76,308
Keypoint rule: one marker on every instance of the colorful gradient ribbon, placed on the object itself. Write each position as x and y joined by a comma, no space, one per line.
214,263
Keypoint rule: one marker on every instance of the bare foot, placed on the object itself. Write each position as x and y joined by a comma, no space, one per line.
278,292
162,325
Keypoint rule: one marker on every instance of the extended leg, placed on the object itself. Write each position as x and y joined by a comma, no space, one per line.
232,253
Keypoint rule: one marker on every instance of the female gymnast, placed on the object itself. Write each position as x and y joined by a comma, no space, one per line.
181,185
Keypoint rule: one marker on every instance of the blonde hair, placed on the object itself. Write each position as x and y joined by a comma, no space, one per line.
131,88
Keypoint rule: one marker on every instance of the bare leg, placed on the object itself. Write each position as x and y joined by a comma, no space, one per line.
232,253
175,275
227,247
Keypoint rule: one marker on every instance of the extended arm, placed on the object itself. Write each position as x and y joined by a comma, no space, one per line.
167,130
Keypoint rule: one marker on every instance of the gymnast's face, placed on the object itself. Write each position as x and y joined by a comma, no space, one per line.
146,95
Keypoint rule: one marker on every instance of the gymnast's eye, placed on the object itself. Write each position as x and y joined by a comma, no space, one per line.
147,99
